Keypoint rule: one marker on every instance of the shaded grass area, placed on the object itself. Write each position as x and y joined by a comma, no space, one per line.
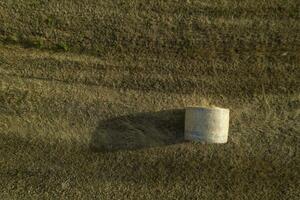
138,131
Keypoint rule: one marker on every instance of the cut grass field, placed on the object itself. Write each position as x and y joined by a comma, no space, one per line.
87,89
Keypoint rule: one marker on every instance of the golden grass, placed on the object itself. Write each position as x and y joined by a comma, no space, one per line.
80,124
51,131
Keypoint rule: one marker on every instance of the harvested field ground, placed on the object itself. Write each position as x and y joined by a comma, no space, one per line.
92,97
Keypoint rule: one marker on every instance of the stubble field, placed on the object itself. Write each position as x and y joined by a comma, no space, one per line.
92,97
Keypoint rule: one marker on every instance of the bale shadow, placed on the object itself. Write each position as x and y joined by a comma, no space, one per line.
138,131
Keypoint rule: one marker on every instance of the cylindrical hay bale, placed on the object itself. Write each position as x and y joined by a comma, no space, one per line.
209,125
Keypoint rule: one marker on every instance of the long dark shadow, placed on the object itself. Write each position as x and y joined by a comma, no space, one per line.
138,131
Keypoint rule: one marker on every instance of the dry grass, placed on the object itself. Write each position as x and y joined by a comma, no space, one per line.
79,126
154,27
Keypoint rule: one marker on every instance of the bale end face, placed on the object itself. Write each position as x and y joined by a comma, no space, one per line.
208,125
